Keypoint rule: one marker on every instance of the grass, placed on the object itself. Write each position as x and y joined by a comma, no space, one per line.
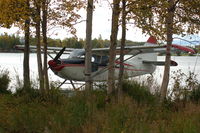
83,112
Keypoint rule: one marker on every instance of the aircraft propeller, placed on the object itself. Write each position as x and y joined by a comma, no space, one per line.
59,54
55,60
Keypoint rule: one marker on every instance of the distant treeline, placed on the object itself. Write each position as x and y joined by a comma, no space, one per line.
7,42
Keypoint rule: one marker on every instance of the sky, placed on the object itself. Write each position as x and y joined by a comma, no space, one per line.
101,27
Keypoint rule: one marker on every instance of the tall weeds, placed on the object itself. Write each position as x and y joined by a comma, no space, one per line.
185,87
138,112
4,82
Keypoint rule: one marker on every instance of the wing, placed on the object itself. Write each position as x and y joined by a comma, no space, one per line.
49,49
130,50
149,47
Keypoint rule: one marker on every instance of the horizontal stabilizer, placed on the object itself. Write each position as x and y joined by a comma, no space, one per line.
160,63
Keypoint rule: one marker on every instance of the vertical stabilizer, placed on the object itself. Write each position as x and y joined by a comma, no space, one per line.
150,56
151,41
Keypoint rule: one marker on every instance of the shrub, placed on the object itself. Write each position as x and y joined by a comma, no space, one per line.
4,82
185,87
138,92
195,95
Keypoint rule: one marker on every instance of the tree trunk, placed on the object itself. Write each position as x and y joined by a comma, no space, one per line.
39,60
123,41
113,45
169,26
88,46
44,33
26,53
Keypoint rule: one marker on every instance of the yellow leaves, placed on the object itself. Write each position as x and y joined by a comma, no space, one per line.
65,14
12,11
151,15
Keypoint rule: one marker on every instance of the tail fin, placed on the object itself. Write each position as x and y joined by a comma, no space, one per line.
150,56
151,41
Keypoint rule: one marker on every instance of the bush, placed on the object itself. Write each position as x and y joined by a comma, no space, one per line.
4,82
185,88
195,95
138,92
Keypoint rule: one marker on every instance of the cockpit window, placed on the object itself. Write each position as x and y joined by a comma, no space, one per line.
104,60
78,53
96,59
101,60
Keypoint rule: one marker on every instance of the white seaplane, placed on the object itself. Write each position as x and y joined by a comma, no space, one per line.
141,60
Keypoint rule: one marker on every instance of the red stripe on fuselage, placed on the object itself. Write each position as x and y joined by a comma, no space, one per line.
60,67
73,65
125,64
136,70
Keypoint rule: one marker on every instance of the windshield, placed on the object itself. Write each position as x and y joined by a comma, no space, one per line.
78,53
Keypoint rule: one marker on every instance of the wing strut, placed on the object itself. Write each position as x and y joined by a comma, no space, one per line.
132,56
106,68
62,83
72,84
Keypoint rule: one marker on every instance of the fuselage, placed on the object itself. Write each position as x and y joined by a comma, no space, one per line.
73,68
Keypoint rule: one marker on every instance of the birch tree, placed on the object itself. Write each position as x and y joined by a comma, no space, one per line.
63,14
45,4
26,66
123,40
169,27
113,45
17,12
37,20
26,13
163,19
88,45
175,11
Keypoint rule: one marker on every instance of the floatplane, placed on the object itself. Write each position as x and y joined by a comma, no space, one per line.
140,60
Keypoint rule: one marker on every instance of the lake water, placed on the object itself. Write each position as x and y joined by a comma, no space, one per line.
186,64
13,62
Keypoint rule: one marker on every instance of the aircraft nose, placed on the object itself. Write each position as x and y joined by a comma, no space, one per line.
55,66
52,63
